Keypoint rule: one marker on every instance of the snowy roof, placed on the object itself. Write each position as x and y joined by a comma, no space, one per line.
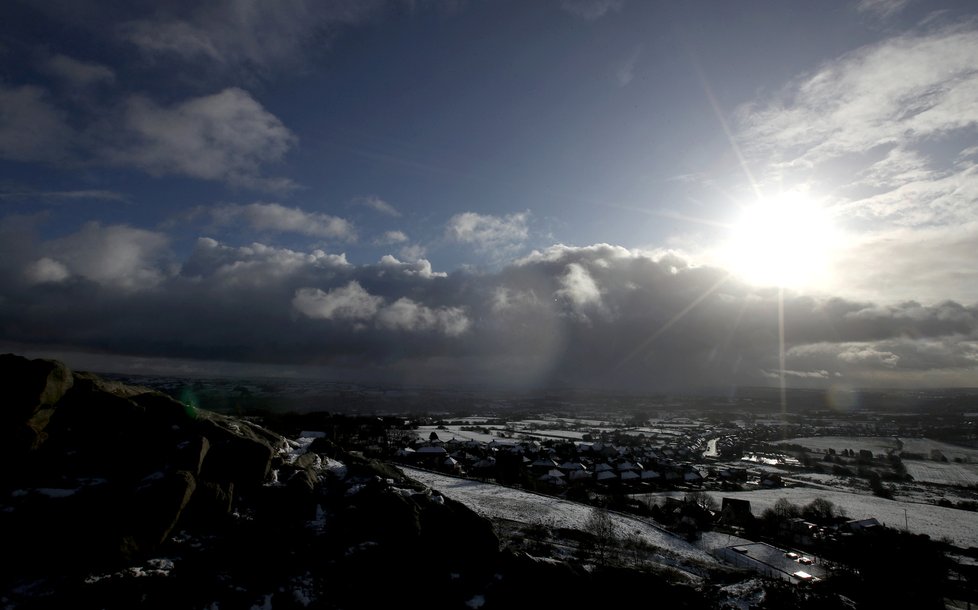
628,475
650,474
433,450
602,467
607,475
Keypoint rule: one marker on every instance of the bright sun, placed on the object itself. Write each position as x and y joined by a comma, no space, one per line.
786,240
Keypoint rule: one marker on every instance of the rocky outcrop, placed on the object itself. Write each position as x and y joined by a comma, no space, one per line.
32,389
103,470
126,498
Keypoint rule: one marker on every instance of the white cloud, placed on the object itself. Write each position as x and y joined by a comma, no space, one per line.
257,264
864,354
880,131
378,205
413,252
114,255
404,314
899,91
46,270
579,287
31,127
78,73
487,232
591,9
391,237
420,267
881,8
350,302
226,136
278,218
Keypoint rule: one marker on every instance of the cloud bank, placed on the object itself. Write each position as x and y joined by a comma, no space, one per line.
595,316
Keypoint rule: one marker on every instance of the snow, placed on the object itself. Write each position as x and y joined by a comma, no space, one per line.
935,521
744,595
266,605
335,467
876,444
477,601
942,473
504,503
951,452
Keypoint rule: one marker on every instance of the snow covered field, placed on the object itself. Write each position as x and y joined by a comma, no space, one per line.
942,473
925,446
822,444
497,502
936,521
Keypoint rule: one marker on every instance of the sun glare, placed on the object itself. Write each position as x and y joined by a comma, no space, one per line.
786,240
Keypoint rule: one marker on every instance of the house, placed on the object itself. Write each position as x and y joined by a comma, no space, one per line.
554,477
735,511
863,526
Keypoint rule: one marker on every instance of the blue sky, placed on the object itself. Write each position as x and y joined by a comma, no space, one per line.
394,189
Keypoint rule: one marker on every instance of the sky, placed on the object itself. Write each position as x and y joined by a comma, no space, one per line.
614,194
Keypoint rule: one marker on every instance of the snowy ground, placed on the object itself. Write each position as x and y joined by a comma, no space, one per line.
942,473
497,502
821,444
936,521
925,446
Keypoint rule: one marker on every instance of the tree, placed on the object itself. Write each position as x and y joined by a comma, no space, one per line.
819,509
600,525
703,500
784,509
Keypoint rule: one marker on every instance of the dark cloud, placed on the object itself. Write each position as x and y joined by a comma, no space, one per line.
594,316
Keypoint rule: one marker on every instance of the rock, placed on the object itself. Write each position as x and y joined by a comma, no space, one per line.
158,508
31,389
240,453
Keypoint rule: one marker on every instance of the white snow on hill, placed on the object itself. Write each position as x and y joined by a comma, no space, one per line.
498,502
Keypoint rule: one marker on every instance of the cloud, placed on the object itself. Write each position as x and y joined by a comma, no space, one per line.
880,132
243,36
881,8
391,237
32,128
413,252
625,72
578,287
419,267
257,265
277,218
226,136
349,302
352,302
378,205
116,256
600,316
45,270
59,196
486,232
406,315
900,91
591,9
77,73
